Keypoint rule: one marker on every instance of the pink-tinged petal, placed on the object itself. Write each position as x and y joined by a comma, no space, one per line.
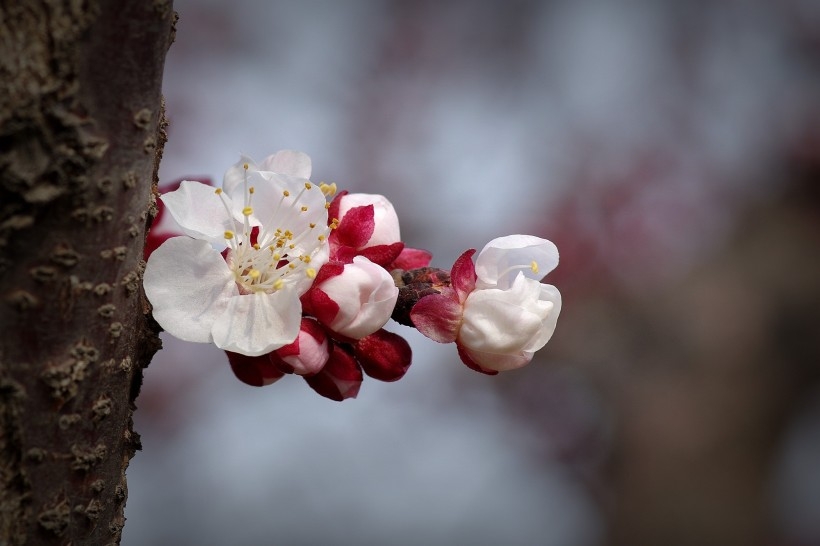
492,362
289,162
356,228
462,276
467,357
256,371
189,285
384,355
438,316
256,324
200,212
412,258
307,354
366,295
340,378
500,261
382,255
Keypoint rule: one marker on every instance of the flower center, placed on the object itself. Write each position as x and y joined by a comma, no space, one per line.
268,257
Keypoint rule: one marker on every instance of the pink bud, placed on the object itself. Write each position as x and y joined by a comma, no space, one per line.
355,302
385,221
256,371
340,378
308,352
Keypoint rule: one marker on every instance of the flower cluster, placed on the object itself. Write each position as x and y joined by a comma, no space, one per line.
286,282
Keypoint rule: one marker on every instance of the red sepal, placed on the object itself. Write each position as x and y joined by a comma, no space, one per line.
382,255
256,371
411,258
383,355
340,378
462,276
438,316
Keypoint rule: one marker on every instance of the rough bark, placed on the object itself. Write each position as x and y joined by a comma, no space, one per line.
81,136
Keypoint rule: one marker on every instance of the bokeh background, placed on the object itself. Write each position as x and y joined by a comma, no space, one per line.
671,150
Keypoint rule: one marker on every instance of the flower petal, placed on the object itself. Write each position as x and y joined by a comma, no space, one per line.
289,162
200,212
438,316
235,175
189,285
255,324
466,356
499,262
491,363
504,321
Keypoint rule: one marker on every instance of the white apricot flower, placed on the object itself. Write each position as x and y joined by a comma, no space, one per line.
272,227
497,311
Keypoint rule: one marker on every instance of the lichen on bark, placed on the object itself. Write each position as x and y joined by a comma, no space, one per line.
82,130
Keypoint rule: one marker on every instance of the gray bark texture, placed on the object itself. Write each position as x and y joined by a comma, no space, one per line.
81,135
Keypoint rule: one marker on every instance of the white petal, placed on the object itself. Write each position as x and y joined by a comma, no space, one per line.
272,210
256,324
366,295
199,211
550,294
499,262
235,174
189,285
504,321
289,162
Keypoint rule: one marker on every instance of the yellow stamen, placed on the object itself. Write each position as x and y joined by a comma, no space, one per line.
286,193
310,272
329,190
534,266
229,234
312,225
321,237
278,284
254,274
247,211
256,246
245,166
308,185
218,191
327,205
304,209
251,190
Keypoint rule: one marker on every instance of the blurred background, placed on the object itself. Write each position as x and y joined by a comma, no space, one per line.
672,152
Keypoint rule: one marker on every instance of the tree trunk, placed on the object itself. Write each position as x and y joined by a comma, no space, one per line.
81,136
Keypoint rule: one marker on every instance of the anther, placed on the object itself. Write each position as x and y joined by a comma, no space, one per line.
245,166
310,272
247,211
304,209
229,234
218,191
254,274
286,193
251,190
534,266
278,284
308,185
